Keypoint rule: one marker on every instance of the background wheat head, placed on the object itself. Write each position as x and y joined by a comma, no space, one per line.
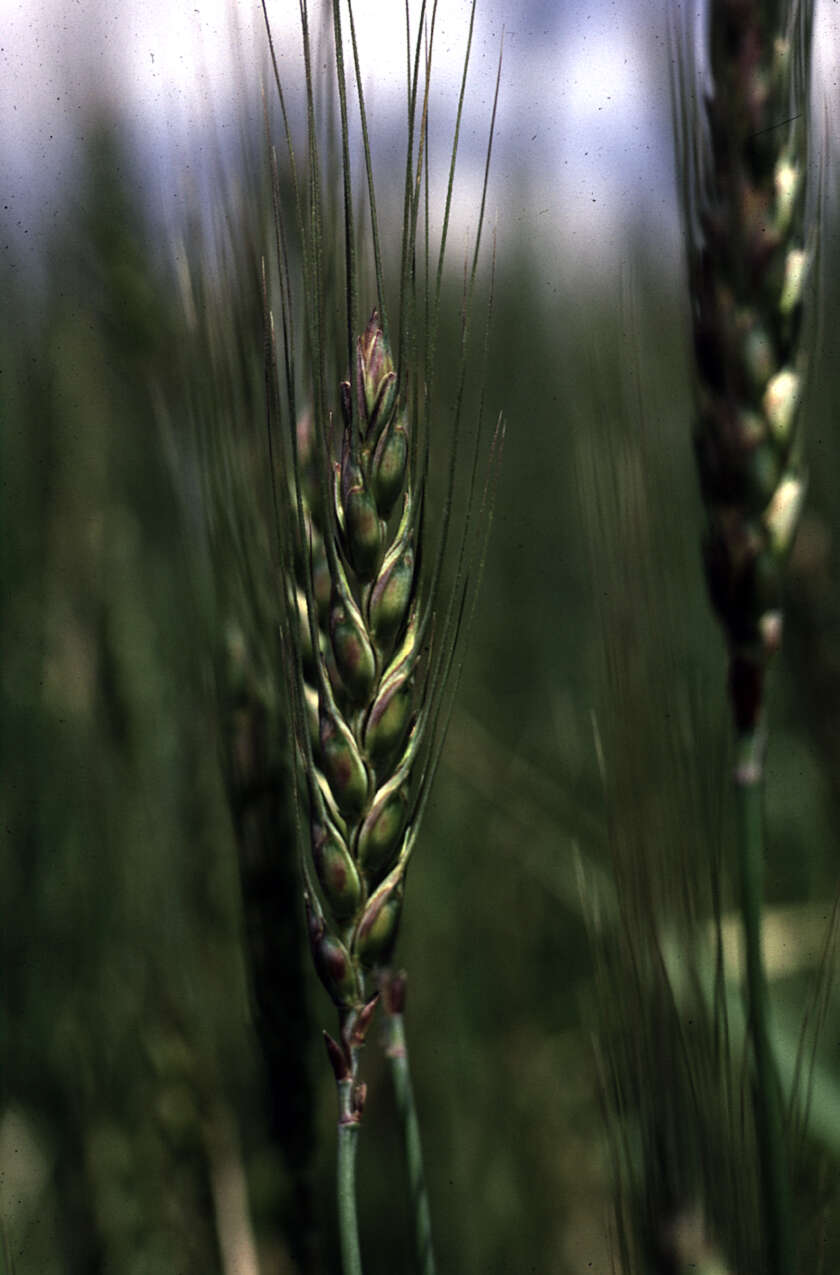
743,139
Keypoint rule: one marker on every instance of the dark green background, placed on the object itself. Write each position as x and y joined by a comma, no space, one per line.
590,727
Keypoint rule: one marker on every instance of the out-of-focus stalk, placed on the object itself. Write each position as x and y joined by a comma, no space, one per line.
396,1049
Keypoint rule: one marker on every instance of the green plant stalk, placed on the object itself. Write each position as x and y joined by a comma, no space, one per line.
749,788
348,1142
397,1051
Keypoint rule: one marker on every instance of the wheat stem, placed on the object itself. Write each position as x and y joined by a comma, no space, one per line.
401,1077
396,1049
348,1142
749,785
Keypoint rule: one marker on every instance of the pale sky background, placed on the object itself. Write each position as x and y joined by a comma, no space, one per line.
582,140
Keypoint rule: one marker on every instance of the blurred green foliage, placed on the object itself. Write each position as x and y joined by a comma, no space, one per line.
148,999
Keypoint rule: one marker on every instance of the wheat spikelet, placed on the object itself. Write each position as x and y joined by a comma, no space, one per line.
373,677
743,160
361,779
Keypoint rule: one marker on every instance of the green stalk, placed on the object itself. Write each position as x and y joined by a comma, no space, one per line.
396,1049
348,1141
749,780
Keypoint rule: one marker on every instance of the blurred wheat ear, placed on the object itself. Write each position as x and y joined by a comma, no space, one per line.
742,143
742,140
375,610
691,1092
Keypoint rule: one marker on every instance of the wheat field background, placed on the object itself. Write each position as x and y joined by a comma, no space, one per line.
139,1131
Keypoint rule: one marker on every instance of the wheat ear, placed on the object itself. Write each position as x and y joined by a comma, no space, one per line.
743,161
372,668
